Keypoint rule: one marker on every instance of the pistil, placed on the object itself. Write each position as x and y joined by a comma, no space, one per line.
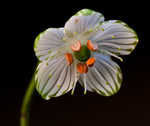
82,55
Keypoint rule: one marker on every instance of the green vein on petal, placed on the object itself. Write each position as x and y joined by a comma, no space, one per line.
118,77
85,12
100,92
132,30
113,91
44,96
37,40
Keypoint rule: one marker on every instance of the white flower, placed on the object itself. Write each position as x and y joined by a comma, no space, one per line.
81,51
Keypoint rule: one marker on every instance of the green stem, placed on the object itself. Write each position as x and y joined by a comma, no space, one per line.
24,119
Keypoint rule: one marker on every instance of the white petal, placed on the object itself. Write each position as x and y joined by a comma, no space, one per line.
69,81
54,77
83,20
48,41
116,38
104,77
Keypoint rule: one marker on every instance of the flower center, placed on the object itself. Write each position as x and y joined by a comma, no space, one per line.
83,54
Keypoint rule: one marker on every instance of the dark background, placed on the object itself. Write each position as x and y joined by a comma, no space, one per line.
23,21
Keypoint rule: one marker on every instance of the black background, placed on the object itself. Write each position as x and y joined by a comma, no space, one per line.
23,21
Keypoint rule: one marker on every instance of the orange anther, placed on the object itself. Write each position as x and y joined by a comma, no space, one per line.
82,68
69,58
90,62
76,46
91,46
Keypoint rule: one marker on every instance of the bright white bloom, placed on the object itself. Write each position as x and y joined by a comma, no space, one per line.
81,51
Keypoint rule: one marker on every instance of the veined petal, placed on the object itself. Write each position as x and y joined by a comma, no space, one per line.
48,42
83,21
54,77
104,77
69,82
116,37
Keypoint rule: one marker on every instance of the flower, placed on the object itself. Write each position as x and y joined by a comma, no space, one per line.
82,51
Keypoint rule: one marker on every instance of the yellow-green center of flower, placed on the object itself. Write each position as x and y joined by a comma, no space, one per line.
83,54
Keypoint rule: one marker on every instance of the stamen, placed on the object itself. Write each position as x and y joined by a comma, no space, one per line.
90,62
85,88
91,46
69,58
76,46
82,68
114,55
76,78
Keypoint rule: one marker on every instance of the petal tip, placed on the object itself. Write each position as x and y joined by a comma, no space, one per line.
85,12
